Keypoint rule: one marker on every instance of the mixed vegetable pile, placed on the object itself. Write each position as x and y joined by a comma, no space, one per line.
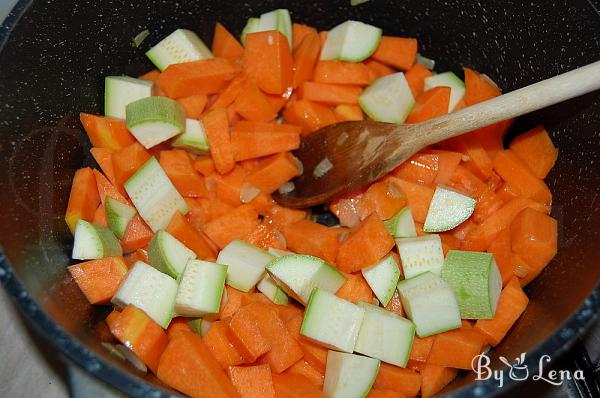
220,292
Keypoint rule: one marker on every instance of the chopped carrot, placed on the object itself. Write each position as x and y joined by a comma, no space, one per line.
263,203
188,366
306,55
378,68
536,150
302,368
151,76
299,32
103,157
510,306
487,204
100,216
281,217
435,378
259,298
193,105
99,279
206,76
330,94
355,289
429,104
308,237
395,305
228,186
237,224
106,132
140,334
204,165
289,311
106,189
503,255
415,77
183,231
314,354
309,115
398,52
266,236
477,88
422,168
246,335
268,61
177,325
366,244
234,302
216,125
274,172
418,196
533,235
252,381
382,198
295,386
83,199
219,344
230,93
253,105
137,235
345,112
225,45
323,36
479,161
405,381
177,164
217,208
340,72
379,393
456,348
420,350
127,161
277,101
254,144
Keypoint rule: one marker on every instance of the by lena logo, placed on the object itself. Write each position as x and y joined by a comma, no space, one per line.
518,370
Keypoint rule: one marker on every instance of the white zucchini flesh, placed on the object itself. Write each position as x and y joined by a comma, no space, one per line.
180,46
430,303
269,288
383,277
447,79
447,210
200,289
154,195
273,20
351,41
388,99
252,26
402,225
194,138
349,375
246,264
421,254
149,290
155,119
120,91
92,242
476,281
169,255
331,321
118,216
385,335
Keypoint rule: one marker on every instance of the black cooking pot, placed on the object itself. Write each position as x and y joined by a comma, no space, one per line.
56,53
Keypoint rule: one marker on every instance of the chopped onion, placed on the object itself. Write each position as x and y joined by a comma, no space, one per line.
132,358
280,238
299,165
286,188
140,37
520,271
357,2
113,350
425,62
248,192
322,168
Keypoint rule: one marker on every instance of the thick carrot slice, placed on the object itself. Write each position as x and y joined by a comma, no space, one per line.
512,170
420,350
415,77
305,57
479,162
422,168
405,381
503,254
106,189
302,368
103,157
183,231
230,93
254,144
137,235
418,196
228,187
141,334
188,366
100,216
266,236
511,305
219,344
487,204
365,245
378,68
234,302
533,236
378,393
106,132
252,381
238,224
127,160
178,166
295,386
178,325
346,112
193,105
197,77
430,104
456,348
216,125
253,105
299,32
83,199
383,198
225,45
330,94
398,52
274,172
204,165
308,237
246,335
395,305
268,61
435,378
281,217
309,115
478,89
340,72
355,289
536,150
151,76
99,279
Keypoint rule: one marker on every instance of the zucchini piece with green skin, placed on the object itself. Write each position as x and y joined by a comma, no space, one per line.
274,20
118,216
169,255
154,195
180,46
430,303
383,278
447,79
421,254
200,289
120,91
331,321
385,335
349,375
476,281
351,41
155,119
193,138
269,288
200,326
246,264
278,252
299,274
402,225
388,99
94,241
448,209
149,290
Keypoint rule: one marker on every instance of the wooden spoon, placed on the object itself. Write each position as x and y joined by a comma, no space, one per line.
343,157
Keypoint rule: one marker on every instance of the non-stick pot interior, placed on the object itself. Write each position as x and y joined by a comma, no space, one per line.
52,67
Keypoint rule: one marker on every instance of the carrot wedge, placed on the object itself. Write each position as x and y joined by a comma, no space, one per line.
106,132
216,125
435,378
252,381
255,144
126,161
309,115
340,72
237,224
99,279
305,57
405,381
225,45
456,348
183,231
253,105
308,237
83,199
398,52
299,32
268,61
193,105
330,94
430,104
477,88
177,164
418,196
219,344
416,78
355,289
536,150
273,173
246,336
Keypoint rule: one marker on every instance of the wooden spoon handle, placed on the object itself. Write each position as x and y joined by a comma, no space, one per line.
516,103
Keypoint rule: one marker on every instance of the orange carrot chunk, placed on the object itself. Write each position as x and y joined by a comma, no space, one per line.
330,94
418,196
430,104
308,237
420,349
478,88
193,105
415,77
378,68
246,335
302,368
422,168
340,72
83,199
230,93
219,344
99,279
378,393
435,378
299,32
456,348
273,173
405,381
177,164
216,125
252,381
103,157
295,386
383,198
536,150
345,112
183,231
306,54
106,132
253,105
355,289
225,45
281,217
398,52
204,165
268,61
254,144
309,115
127,161
503,255
237,224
